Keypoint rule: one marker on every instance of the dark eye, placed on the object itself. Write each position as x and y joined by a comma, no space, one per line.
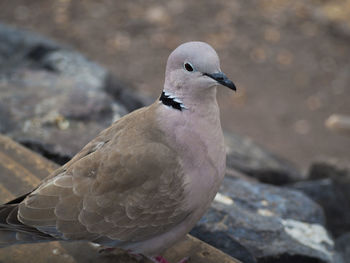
188,66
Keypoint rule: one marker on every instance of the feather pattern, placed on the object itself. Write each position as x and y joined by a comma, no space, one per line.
105,192
144,182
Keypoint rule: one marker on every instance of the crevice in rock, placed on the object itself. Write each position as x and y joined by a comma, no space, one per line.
38,52
42,150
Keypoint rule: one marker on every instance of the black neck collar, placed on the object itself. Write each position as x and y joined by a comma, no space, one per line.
171,101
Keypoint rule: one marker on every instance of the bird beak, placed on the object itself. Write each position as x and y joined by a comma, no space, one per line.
221,78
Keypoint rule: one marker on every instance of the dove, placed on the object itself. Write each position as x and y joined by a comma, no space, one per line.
142,183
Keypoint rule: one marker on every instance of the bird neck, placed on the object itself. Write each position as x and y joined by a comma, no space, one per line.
189,114
181,100
171,101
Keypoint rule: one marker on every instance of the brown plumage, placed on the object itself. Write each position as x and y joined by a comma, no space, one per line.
84,199
145,181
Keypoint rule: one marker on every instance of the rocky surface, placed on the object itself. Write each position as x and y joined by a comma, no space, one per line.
249,158
271,223
342,245
53,99
329,186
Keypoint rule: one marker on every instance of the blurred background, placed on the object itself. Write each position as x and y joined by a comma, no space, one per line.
290,59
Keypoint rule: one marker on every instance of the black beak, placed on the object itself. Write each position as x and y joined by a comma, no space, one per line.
221,78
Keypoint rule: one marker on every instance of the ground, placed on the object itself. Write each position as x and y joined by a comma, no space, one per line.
289,59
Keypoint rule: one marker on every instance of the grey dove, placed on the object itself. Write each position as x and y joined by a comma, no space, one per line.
142,183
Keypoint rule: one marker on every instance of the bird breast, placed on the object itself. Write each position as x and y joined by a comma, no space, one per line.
199,142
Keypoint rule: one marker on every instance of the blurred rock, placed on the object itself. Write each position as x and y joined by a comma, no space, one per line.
53,99
334,15
329,186
273,224
338,123
342,245
247,157
129,99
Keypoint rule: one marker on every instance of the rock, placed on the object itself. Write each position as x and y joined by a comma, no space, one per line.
249,158
270,223
337,23
342,245
329,186
53,99
16,44
129,99
225,243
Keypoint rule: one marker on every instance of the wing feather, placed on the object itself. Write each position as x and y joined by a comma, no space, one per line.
68,208
125,185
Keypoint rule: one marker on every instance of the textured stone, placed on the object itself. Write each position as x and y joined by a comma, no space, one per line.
342,245
273,224
249,158
329,186
53,99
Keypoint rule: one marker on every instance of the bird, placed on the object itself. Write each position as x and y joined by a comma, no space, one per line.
143,183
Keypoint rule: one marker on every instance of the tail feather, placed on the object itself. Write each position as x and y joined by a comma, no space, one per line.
7,236
12,231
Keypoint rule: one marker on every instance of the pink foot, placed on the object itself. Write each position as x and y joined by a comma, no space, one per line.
160,259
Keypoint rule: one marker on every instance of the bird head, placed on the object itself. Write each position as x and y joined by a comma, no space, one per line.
192,68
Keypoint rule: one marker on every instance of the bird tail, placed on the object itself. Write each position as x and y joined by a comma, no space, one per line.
12,231
7,238
8,233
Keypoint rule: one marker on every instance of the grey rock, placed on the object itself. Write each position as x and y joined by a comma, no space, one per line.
16,44
53,99
342,245
249,158
224,242
329,186
130,100
273,224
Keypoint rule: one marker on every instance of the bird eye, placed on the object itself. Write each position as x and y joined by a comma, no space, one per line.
188,67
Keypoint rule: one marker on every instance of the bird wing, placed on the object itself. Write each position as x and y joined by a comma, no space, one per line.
126,185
